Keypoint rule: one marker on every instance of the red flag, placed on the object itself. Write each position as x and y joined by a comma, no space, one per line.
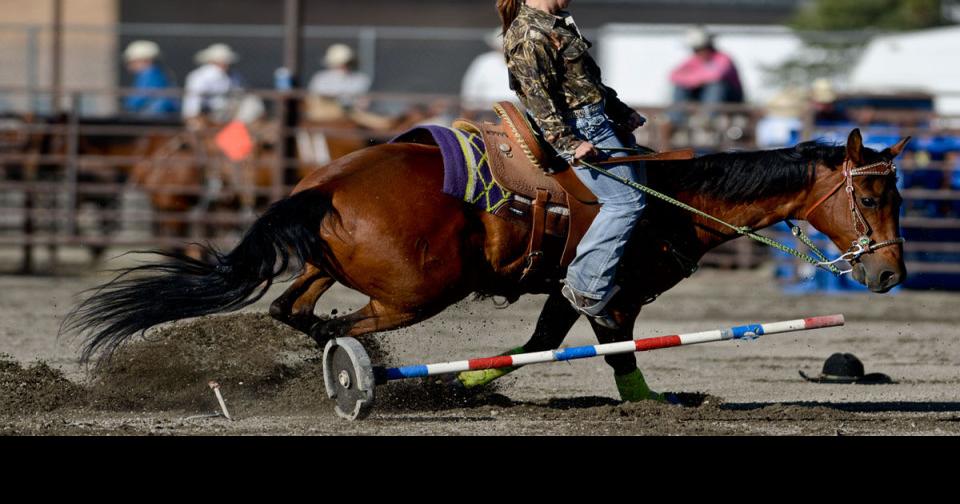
234,140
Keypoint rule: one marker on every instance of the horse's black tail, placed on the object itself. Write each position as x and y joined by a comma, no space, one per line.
183,287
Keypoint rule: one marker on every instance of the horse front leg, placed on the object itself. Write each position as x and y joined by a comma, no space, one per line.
556,319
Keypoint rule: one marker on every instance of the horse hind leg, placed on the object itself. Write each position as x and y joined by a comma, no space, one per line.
376,316
556,319
295,306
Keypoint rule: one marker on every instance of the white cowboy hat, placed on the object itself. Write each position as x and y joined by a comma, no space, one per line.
217,53
338,54
698,38
141,50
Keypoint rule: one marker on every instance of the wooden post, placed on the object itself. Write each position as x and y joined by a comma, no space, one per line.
290,116
56,57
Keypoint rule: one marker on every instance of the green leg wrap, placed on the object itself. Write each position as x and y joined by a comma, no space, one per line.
471,379
633,387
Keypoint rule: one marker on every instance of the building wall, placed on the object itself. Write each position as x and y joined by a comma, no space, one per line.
455,13
403,63
89,48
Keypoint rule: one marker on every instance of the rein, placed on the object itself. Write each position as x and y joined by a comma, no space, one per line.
862,245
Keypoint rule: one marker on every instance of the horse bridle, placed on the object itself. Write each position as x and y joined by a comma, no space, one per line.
864,244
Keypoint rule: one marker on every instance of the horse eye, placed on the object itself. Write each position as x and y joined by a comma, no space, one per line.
869,202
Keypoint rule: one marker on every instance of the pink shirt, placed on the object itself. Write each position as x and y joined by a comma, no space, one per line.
696,71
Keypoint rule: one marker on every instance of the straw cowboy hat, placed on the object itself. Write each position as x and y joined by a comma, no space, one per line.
217,53
822,91
791,102
846,368
141,50
338,55
698,38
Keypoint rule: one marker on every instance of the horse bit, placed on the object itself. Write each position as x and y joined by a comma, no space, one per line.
864,244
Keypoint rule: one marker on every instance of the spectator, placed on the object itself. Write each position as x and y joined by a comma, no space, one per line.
140,58
708,76
823,99
208,86
338,92
487,80
340,80
782,126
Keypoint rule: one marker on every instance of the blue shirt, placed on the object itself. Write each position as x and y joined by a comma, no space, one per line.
147,105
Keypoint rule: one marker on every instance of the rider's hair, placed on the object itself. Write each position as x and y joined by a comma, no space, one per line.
508,9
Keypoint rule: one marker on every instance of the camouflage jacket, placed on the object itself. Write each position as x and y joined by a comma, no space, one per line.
552,74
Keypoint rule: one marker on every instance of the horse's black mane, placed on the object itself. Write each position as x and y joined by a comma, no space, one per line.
749,176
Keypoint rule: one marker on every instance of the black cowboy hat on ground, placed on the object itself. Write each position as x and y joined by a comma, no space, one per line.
846,368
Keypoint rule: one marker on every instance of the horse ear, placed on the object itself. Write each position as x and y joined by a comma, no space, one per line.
898,148
855,147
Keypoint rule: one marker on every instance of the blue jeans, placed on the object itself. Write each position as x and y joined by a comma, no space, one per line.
592,272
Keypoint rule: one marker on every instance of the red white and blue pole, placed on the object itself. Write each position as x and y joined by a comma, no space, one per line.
750,331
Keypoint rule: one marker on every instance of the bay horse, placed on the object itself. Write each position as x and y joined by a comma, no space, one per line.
376,222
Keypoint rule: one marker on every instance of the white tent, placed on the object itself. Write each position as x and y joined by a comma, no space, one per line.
924,60
637,60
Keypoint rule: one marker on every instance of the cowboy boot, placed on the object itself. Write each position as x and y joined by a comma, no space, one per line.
593,309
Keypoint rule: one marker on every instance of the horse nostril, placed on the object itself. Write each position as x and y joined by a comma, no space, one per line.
886,277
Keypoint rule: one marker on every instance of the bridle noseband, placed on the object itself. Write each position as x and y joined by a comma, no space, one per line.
864,244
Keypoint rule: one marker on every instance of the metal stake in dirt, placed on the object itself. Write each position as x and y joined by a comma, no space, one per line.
350,378
223,405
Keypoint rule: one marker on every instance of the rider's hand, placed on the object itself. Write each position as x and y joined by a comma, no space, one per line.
635,121
583,150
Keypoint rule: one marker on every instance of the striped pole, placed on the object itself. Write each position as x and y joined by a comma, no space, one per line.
750,331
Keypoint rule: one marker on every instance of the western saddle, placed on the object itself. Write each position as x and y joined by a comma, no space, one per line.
546,193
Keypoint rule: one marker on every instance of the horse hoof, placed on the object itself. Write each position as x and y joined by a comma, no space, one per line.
320,340
452,384
320,332
669,398
327,329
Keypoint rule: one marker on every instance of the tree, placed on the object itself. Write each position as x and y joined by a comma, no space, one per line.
821,15
835,32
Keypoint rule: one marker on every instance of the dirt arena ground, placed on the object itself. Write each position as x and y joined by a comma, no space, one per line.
272,382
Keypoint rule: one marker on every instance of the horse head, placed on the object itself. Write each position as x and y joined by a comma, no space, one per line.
857,205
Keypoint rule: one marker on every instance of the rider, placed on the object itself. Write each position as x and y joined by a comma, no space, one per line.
559,83
338,92
340,80
208,88
140,58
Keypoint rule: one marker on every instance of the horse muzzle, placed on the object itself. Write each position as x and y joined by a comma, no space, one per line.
879,277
